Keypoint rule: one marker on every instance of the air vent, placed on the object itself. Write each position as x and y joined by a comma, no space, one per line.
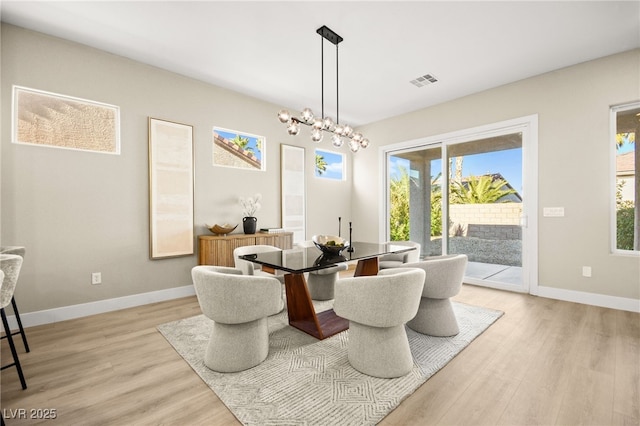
424,80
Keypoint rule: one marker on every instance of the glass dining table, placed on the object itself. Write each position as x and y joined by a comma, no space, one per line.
295,262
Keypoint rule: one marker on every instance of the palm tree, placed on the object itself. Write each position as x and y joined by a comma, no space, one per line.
479,190
242,143
321,164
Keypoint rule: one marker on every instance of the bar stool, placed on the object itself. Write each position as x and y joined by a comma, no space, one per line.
10,265
20,251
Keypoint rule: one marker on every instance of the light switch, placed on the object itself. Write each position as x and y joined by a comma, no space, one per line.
553,212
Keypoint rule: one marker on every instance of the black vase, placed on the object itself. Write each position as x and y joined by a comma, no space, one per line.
249,224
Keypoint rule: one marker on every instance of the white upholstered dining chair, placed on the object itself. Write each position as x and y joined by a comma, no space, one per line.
443,280
377,307
239,306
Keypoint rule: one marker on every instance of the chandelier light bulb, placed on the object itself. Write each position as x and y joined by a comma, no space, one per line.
284,116
364,143
307,115
316,135
328,124
354,146
317,124
357,137
348,131
337,141
293,128
339,130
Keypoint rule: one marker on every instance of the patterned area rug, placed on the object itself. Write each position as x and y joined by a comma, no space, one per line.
305,381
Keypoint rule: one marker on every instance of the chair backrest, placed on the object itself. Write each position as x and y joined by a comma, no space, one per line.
444,274
19,250
226,296
390,298
409,256
10,265
248,268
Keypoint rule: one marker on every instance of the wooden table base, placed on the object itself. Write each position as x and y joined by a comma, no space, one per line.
302,314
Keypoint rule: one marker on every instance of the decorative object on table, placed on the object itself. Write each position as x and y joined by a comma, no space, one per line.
339,226
286,387
350,230
222,229
249,224
171,189
331,244
250,206
324,123
272,230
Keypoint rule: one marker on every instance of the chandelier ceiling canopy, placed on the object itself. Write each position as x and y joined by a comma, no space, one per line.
320,125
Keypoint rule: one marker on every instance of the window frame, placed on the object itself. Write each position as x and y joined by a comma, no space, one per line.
613,130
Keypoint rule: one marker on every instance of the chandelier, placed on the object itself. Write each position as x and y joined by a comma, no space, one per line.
320,125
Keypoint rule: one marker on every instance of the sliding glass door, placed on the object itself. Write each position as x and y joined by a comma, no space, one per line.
481,213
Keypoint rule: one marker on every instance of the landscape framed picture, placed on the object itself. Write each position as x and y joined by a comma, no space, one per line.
238,149
60,121
171,189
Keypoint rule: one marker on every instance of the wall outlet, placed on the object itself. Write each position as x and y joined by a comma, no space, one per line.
96,278
586,271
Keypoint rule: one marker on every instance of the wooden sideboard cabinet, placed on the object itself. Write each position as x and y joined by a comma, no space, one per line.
218,249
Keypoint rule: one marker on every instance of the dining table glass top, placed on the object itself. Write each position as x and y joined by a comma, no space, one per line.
306,259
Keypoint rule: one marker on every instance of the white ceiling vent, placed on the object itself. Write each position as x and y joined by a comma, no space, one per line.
424,80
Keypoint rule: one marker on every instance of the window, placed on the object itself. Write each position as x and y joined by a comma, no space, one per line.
626,222
329,165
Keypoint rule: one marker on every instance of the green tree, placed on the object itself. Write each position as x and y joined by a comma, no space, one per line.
625,213
242,143
399,210
479,190
321,164
436,207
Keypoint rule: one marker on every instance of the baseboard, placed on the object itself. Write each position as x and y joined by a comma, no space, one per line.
49,316
601,300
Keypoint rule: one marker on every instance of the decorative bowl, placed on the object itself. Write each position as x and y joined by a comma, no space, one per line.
222,229
330,244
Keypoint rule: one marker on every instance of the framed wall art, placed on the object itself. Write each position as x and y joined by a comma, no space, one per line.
240,150
293,191
171,189
60,121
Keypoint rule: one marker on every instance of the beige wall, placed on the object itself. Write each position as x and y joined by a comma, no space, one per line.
80,212
574,151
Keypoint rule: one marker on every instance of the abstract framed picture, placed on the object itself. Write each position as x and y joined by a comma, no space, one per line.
292,180
60,121
239,150
171,189
329,165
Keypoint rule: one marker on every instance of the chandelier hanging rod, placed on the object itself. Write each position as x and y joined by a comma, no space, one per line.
325,124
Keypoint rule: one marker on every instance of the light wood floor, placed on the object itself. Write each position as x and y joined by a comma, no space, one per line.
544,362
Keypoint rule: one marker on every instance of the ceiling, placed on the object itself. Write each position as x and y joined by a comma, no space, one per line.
270,50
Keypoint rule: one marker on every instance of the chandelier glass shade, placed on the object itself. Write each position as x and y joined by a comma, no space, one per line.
340,133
